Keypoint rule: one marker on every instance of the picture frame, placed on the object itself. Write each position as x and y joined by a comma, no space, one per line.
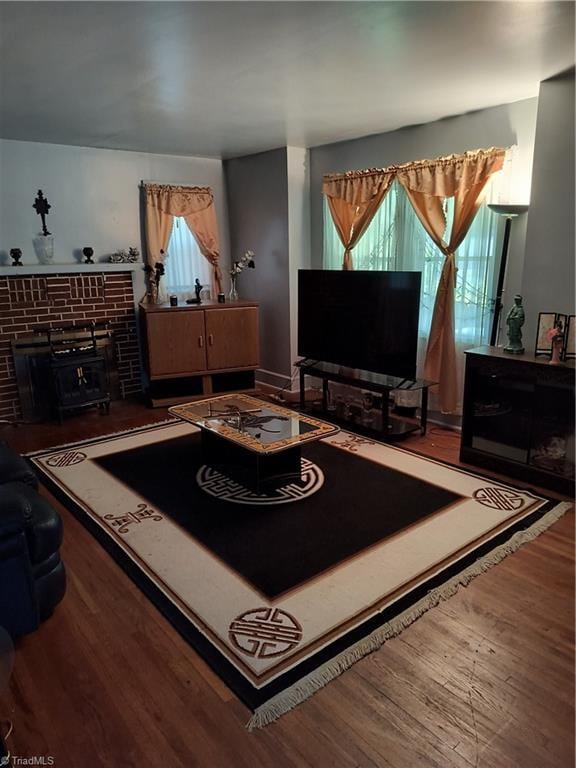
546,322
569,351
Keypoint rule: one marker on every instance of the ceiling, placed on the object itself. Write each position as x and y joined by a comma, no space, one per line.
220,79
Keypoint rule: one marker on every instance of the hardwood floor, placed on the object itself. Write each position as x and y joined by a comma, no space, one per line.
485,679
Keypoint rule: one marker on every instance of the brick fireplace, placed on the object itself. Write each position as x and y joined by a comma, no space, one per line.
32,302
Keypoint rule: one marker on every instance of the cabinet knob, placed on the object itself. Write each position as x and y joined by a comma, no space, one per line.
200,341
210,339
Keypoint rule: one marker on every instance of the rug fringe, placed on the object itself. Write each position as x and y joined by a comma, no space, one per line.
62,446
306,687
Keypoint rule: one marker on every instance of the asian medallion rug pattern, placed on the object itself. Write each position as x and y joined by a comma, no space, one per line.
280,595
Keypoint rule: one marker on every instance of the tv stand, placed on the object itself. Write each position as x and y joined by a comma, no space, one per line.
380,383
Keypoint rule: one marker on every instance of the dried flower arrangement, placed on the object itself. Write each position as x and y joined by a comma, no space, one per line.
247,260
153,276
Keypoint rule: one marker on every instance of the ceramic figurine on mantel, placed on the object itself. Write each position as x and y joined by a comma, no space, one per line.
515,321
44,242
16,256
88,253
121,257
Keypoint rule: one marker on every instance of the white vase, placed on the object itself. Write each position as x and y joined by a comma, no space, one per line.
162,296
44,248
233,295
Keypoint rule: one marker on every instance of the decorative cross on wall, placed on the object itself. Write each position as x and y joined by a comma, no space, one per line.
42,206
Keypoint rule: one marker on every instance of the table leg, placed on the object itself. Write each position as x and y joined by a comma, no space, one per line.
302,389
277,470
324,394
424,411
252,470
385,413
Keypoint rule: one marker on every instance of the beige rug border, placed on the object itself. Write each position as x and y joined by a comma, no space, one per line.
307,686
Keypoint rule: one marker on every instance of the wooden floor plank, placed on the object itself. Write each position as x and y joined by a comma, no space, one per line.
483,680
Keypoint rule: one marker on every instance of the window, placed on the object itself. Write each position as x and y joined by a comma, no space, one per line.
396,240
184,262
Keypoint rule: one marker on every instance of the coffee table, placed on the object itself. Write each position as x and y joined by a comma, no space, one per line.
252,441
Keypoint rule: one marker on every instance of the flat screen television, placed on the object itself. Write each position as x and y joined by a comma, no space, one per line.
364,320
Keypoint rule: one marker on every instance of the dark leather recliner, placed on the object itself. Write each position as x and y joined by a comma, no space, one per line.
32,575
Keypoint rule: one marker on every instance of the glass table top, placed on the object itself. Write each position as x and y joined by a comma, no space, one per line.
257,425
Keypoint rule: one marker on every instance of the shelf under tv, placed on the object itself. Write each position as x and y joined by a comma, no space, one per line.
398,428
383,384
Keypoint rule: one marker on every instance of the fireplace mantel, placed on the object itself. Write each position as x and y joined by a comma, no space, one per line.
68,269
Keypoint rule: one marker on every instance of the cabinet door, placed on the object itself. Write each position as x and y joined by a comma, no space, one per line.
552,438
176,342
500,401
232,336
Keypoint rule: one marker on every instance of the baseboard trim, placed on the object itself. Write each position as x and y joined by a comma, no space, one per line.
273,379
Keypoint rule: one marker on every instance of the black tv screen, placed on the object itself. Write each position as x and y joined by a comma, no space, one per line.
364,320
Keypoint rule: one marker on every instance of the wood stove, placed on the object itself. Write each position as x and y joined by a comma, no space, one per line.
33,364
78,371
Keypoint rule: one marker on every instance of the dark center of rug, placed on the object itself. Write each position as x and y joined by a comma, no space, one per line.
279,547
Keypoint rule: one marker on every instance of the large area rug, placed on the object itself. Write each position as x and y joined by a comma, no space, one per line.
281,598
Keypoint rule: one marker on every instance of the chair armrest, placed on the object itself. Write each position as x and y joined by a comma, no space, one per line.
18,603
40,521
13,511
14,468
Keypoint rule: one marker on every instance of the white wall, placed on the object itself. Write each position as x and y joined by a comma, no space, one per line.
548,277
94,196
298,231
257,188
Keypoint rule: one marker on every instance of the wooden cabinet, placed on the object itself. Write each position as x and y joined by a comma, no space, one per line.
176,343
195,351
519,417
232,337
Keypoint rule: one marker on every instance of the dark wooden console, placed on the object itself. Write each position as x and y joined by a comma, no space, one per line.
519,417
371,382
200,350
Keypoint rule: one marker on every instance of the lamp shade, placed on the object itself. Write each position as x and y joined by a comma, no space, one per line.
507,209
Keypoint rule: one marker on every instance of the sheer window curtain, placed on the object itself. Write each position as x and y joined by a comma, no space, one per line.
396,240
185,262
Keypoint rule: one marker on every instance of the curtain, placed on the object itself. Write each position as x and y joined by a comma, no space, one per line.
158,229
185,263
196,206
354,198
396,240
353,201
377,250
427,185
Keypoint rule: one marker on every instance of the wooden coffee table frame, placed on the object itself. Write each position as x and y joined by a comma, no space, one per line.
242,457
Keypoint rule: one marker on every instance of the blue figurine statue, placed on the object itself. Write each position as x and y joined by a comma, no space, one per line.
515,321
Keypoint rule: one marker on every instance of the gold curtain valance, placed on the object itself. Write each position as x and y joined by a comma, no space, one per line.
447,176
358,190
459,171
178,200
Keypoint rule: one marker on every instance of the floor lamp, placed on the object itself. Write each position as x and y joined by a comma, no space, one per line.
510,212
